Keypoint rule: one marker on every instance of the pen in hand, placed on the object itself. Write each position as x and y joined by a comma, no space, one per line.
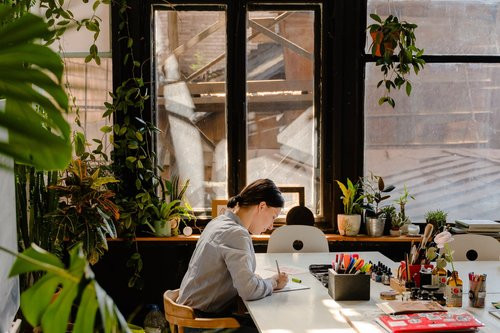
278,267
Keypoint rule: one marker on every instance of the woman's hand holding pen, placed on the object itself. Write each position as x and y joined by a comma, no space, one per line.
280,280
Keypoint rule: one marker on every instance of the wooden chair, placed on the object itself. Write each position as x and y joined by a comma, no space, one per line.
180,316
297,238
471,247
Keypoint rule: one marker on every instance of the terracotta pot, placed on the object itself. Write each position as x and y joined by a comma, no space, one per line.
388,46
348,224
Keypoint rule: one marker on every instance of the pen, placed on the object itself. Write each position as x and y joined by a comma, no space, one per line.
296,280
278,267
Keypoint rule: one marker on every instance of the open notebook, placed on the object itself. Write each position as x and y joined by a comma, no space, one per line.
291,286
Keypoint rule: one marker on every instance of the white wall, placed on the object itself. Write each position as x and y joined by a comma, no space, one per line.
9,288
79,41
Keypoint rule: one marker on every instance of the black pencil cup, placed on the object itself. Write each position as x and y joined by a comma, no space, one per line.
348,287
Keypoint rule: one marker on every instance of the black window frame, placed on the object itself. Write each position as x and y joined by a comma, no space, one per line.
339,85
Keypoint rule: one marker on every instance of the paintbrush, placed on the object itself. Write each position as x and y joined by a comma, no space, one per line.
425,238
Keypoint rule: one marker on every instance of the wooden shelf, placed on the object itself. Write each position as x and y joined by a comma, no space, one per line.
265,239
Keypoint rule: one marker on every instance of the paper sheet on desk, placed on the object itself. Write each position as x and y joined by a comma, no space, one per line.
287,269
291,286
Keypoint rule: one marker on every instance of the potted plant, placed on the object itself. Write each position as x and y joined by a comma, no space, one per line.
437,218
402,201
168,215
397,221
394,47
86,212
389,212
349,222
374,193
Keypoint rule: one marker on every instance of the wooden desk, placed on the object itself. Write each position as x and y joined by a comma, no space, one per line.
313,310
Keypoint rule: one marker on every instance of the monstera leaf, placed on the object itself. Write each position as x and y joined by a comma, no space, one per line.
77,288
32,98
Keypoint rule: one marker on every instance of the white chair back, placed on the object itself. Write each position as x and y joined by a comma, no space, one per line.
470,247
297,238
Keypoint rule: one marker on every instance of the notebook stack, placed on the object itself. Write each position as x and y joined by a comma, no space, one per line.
482,227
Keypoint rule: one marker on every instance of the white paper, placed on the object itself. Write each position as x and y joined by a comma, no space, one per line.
291,286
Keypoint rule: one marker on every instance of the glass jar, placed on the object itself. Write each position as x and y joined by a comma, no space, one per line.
454,290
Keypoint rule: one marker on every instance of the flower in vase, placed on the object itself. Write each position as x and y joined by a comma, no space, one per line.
445,254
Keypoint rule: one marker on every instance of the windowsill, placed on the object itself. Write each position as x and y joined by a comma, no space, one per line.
265,239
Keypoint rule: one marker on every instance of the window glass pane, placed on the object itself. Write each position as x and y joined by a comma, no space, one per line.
190,60
89,84
442,141
282,125
447,27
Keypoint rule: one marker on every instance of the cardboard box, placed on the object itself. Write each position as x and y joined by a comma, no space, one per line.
348,287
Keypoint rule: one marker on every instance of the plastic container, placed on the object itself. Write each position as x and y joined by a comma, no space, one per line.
154,322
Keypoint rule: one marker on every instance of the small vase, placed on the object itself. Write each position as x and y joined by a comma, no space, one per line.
348,224
395,232
163,228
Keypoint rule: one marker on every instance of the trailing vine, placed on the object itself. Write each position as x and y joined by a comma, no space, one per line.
60,18
133,160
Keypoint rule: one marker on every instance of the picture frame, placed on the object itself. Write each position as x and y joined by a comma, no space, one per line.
219,206
297,197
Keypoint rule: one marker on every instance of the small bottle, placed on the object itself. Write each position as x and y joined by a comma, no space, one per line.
439,278
380,273
454,290
154,322
374,272
387,277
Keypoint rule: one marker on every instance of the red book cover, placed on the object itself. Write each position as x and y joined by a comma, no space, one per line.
429,322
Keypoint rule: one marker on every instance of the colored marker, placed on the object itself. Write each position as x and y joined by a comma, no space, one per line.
296,280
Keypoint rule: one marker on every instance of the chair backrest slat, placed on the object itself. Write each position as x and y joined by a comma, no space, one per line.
180,316
297,238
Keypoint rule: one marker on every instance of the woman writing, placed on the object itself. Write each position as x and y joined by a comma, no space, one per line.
223,264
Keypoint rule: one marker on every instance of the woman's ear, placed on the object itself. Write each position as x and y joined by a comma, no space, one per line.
262,205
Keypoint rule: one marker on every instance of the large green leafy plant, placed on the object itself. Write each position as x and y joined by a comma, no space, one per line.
30,76
394,47
78,288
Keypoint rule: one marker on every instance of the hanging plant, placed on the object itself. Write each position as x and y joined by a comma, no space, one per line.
394,47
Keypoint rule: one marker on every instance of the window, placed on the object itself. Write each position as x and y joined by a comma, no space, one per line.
190,56
222,131
90,85
442,141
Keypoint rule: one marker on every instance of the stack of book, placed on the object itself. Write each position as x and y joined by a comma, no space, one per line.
483,227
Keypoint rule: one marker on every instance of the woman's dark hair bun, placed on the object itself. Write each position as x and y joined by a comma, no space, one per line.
256,192
231,203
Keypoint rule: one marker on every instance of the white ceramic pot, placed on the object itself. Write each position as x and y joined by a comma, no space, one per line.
395,232
413,229
348,224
